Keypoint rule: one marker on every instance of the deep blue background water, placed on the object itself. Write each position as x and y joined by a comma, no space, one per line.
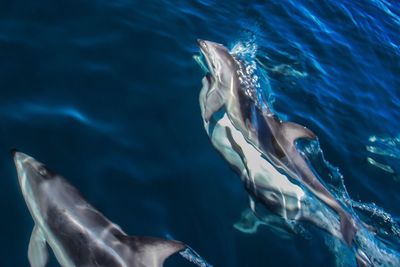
106,93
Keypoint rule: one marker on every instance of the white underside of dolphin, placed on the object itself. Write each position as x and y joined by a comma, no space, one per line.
255,169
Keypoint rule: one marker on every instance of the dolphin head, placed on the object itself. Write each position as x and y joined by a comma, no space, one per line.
219,61
34,178
220,80
31,173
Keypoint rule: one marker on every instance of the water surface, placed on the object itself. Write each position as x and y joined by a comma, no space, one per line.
106,93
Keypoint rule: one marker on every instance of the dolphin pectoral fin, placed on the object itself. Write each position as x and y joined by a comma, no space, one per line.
215,101
151,251
248,222
37,251
294,131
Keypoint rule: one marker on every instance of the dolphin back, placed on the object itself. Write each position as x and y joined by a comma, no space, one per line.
78,234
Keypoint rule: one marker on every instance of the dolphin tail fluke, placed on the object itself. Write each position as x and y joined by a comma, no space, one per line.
347,228
152,252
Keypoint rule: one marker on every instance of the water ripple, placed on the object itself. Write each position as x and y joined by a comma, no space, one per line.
42,112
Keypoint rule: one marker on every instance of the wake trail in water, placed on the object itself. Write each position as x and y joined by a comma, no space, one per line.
194,257
379,232
384,154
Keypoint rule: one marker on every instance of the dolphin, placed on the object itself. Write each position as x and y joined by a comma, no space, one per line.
259,145
78,234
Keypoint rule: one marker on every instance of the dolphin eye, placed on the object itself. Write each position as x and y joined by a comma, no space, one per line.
42,171
203,44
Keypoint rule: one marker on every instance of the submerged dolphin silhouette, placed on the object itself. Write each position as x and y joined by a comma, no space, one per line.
78,234
258,144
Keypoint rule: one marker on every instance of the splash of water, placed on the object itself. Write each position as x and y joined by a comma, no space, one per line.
244,54
388,225
377,250
194,257
254,81
377,247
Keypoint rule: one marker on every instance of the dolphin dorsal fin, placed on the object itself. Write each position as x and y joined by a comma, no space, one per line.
151,251
293,131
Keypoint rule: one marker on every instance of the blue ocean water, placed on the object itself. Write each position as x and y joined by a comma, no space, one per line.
106,93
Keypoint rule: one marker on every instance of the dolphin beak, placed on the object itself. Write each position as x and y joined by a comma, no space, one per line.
13,152
19,157
20,160
199,41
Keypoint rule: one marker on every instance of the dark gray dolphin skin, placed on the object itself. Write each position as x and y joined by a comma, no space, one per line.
78,234
251,134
